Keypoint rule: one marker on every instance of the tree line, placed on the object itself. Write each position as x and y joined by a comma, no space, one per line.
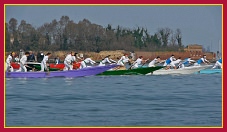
65,34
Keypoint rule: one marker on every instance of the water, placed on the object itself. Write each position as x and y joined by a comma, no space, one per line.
186,100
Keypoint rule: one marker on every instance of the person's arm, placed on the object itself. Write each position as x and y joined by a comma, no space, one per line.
192,61
206,60
106,59
112,61
92,62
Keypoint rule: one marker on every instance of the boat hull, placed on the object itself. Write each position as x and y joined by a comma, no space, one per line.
71,73
52,66
210,71
38,67
138,71
185,70
61,66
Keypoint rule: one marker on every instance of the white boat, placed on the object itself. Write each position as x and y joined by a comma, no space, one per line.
185,70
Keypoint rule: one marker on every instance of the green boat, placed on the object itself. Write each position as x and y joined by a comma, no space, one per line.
138,71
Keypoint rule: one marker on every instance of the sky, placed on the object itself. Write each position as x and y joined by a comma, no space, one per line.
198,24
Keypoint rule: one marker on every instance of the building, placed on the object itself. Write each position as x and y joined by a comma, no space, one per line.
196,52
194,48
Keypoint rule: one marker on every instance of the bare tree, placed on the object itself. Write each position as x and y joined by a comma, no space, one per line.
164,34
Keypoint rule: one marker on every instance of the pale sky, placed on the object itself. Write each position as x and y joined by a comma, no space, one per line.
198,24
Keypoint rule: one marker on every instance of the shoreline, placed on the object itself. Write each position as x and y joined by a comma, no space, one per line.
115,55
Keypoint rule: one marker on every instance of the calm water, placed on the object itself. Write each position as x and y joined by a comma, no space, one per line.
186,100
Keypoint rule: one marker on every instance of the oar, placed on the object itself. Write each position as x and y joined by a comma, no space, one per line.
30,67
145,62
131,66
48,70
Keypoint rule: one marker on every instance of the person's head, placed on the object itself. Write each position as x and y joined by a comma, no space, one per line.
27,53
125,54
172,55
107,56
179,57
48,54
141,57
12,53
158,57
75,54
204,56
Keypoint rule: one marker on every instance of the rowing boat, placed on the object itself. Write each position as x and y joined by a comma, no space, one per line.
89,71
61,66
210,71
137,71
37,65
185,70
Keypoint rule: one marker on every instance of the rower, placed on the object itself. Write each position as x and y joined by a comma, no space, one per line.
84,63
153,62
105,60
124,59
218,63
178,62
43,62
8,62
138,62
187,61
201,60
22,62
69,61
169,62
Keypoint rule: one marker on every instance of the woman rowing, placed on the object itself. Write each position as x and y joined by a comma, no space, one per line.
124,59
105,60
44,62
69,59
8,62
84,63
153,62
138,62
23,61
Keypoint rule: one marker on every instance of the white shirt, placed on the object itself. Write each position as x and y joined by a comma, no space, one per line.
23,59
106,60
138,61
152,62
69,58
123,59
89,60
9,59
177,61
73,58
45,59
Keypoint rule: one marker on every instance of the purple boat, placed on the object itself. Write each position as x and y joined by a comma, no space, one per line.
89,71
